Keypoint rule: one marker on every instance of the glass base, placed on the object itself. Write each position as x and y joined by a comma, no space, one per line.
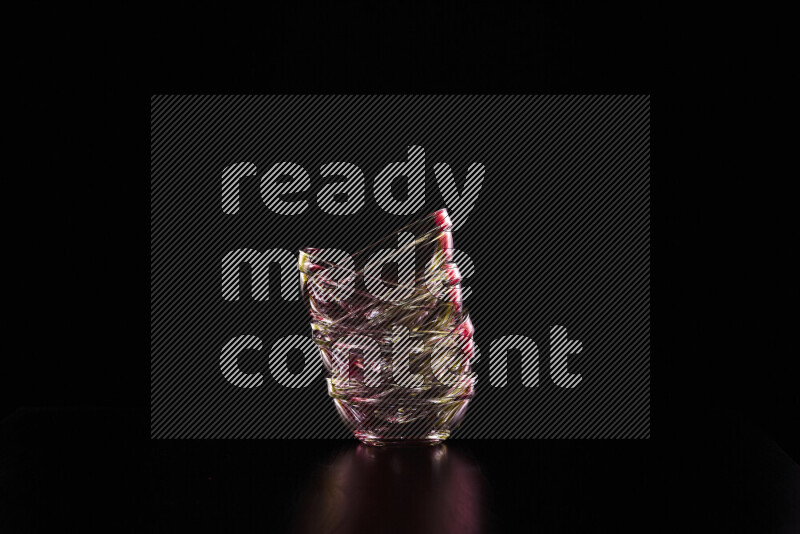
386,421
435,438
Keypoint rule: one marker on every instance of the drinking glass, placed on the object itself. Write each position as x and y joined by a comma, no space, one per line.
397,349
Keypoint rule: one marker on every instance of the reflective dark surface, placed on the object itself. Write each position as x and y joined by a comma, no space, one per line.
97,471
420,489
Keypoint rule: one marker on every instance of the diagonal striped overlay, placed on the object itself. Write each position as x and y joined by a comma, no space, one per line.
559,235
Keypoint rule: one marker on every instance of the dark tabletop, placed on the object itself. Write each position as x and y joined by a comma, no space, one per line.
88,468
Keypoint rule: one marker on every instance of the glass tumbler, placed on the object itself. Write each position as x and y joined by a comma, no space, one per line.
397,349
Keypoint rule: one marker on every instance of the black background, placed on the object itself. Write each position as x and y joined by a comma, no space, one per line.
75,447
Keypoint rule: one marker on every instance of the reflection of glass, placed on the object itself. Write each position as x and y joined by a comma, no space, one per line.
412,489
397,349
